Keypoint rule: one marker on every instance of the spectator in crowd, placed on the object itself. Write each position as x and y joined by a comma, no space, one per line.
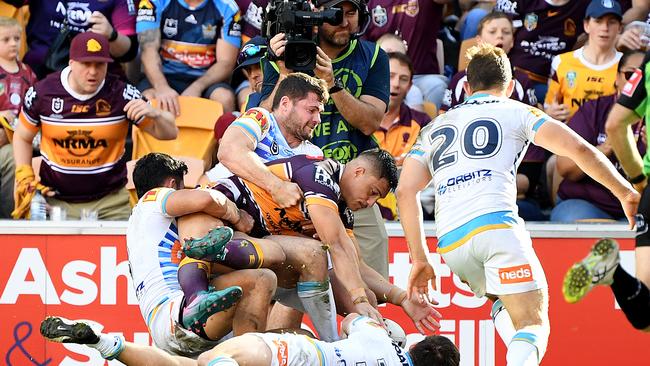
544,29
581,197
409,20
114,19
473,13
633,37
391,42
590,71
356,73
15,78
188,48
84,115
252,11
401,125
248,64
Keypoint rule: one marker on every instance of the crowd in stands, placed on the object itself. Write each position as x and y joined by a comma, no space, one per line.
404,65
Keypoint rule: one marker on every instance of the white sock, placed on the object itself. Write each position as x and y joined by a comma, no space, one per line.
502,322
528,346
223,361
318,300
110,346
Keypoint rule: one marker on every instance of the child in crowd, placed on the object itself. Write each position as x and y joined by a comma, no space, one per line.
590,71
15,78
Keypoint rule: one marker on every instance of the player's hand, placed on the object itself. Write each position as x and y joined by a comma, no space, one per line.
630,39
364,308
558,111
630,203
324,68
168,100
245,223
277,46
138,108
424,315
286,194
100,24
418,284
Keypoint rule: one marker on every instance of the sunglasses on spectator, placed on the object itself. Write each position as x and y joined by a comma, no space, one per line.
250,50
627,74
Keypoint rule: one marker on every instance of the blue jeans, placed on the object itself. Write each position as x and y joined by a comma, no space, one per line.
432,86
574,209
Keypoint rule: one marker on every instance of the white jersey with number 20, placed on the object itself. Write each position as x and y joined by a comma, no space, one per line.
472,152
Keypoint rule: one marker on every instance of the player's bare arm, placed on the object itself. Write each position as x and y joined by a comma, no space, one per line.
561,140
332,233
242,160
413,179
621,137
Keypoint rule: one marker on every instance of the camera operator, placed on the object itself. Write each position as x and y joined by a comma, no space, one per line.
357,74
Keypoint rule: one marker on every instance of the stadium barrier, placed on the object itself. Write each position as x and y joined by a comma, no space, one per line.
80,270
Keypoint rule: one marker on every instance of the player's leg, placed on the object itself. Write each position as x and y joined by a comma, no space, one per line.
247,349
61,330
250,313
601,267
308,258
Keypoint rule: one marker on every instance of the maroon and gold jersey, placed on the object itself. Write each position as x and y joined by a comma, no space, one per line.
83,136
13,86
318,180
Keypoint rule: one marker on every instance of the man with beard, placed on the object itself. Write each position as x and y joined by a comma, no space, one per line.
357,75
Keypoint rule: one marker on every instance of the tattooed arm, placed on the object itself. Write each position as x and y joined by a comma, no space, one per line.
150,44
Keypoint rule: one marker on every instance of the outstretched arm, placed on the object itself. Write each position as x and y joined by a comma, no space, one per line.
413,179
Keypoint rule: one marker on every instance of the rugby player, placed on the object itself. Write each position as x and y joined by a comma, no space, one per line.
471,155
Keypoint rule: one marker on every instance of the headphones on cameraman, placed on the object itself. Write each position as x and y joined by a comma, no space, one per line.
364,14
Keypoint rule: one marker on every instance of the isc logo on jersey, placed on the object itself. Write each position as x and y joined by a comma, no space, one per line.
516,274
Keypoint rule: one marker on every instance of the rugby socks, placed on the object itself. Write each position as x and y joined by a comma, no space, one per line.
633,297
527,346
502,322
110,346
318,300
223,361
193,277
242,254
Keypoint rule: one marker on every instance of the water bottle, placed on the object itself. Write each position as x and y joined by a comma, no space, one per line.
37,207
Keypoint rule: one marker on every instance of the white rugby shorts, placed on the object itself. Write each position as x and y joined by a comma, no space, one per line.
498,262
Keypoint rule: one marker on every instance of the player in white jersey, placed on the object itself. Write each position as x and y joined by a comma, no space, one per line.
258,136
471,155
365,343
154,253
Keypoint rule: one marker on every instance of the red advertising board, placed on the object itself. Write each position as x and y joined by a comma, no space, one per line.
87,277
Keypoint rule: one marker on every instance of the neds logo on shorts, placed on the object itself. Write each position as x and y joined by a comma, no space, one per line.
516,274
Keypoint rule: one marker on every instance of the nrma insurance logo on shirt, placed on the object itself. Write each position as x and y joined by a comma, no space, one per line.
462,181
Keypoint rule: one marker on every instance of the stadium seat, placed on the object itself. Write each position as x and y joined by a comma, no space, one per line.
430,109
462,60
194,171
195,132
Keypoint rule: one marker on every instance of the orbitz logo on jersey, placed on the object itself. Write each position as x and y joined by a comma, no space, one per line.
462,181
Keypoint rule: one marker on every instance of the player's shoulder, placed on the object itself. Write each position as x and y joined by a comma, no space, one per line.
226,7
155,195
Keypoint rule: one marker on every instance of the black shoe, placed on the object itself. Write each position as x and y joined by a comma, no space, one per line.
61,330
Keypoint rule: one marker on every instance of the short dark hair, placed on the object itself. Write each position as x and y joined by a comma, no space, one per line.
435,350
492,16
403,58
297,86
383,165
627,54
153,169
488,68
